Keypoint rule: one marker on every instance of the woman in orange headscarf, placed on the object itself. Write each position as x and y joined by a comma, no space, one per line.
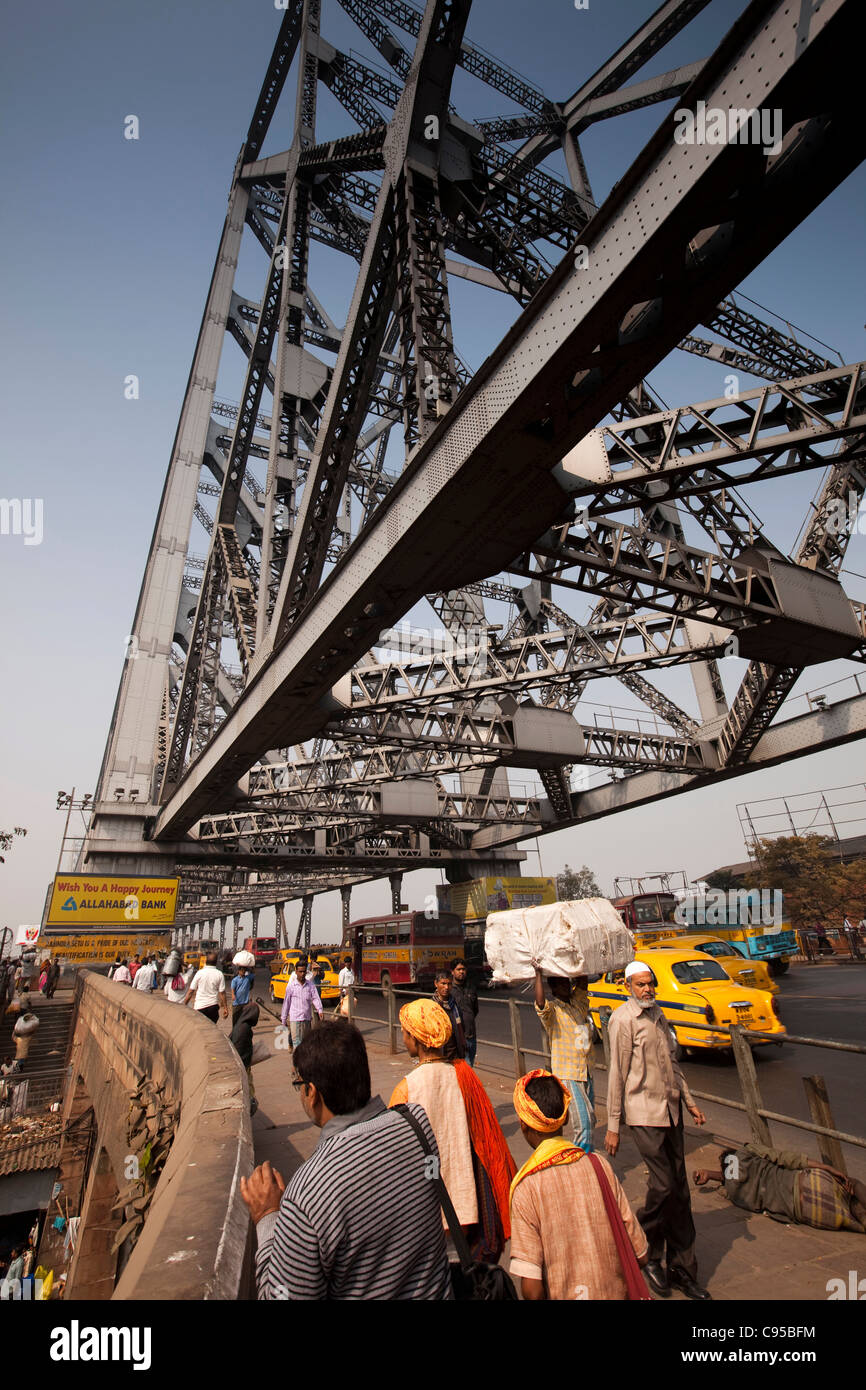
476,1165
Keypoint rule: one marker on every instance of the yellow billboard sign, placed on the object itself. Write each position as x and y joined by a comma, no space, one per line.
97,947
474,900
106,900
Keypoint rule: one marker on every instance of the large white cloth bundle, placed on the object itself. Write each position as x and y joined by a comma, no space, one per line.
27,1024
585,937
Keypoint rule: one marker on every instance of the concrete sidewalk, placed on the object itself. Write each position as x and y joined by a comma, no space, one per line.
740,1256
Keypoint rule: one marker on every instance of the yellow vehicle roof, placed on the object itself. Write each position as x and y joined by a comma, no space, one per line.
667,953
289,958
673,955
689,942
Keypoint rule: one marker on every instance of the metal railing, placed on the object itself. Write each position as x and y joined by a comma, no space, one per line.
843,944
830,1139
24,1094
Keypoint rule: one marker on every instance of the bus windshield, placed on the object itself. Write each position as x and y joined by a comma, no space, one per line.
433,929
654,908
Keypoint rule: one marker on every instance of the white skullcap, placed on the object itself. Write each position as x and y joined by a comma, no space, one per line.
637,967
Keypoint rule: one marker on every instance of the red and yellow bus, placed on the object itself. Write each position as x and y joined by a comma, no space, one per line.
648,915
405,949
264,948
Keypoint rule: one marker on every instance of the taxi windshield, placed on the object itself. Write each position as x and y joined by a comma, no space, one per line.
719,948
691,972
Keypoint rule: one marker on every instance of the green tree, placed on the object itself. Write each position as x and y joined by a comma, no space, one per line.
576,883
722,879
804,870
6,838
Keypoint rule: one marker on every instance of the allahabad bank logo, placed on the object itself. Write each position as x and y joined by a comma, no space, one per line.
97,900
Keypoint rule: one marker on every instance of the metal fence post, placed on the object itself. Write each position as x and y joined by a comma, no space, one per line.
749,1085
350,995
392,1022
516,1038
819,1108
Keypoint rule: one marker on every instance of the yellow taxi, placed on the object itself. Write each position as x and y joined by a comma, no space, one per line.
285,967
751,973
692,988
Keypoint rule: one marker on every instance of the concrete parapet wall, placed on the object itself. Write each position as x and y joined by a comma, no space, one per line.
193,1243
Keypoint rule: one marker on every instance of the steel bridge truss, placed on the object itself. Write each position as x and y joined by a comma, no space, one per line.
264,720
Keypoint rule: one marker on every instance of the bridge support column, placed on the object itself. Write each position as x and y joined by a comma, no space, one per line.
396,882
345,899
280,914
305,925
236,925
223,921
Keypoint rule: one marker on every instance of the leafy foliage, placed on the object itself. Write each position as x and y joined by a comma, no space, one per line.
815,885
6,838
576,883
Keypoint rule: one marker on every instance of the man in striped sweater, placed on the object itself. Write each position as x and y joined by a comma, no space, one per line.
361,1218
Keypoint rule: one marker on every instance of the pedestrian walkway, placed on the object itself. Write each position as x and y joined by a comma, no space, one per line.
740,1255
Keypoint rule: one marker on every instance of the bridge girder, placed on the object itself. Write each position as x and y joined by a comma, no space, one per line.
496,462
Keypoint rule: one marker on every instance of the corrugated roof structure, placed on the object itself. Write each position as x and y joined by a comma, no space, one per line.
30,1143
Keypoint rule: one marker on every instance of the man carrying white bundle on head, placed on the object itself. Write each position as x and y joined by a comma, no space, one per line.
646,1086
565,1017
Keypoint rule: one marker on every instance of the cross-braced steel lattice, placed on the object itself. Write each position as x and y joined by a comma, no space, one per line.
278,720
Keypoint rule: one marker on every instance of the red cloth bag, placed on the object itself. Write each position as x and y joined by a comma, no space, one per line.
637,1290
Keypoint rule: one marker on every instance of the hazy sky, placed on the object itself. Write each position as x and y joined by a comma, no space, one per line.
109,245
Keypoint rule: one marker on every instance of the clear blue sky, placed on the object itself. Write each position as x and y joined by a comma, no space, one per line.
109,245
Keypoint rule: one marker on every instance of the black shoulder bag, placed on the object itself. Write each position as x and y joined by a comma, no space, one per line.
472,1280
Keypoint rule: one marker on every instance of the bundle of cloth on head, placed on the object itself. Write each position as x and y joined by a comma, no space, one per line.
427,1022
528,1111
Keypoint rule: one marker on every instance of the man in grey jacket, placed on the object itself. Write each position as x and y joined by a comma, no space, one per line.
647,1088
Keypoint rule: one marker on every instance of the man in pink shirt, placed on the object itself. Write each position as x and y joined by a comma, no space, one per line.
301,998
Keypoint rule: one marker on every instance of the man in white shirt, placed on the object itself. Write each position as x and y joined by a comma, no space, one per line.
145,975
175,988
345,980
121,975
207,990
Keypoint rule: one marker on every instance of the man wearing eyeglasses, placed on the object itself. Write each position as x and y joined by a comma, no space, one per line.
379,1235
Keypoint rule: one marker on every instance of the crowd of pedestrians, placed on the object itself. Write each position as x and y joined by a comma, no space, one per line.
384,1231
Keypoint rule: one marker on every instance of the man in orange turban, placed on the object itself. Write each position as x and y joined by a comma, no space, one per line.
427,1022
477,1166
562,1240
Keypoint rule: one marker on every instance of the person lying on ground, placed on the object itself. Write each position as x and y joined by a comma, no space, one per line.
788,1186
